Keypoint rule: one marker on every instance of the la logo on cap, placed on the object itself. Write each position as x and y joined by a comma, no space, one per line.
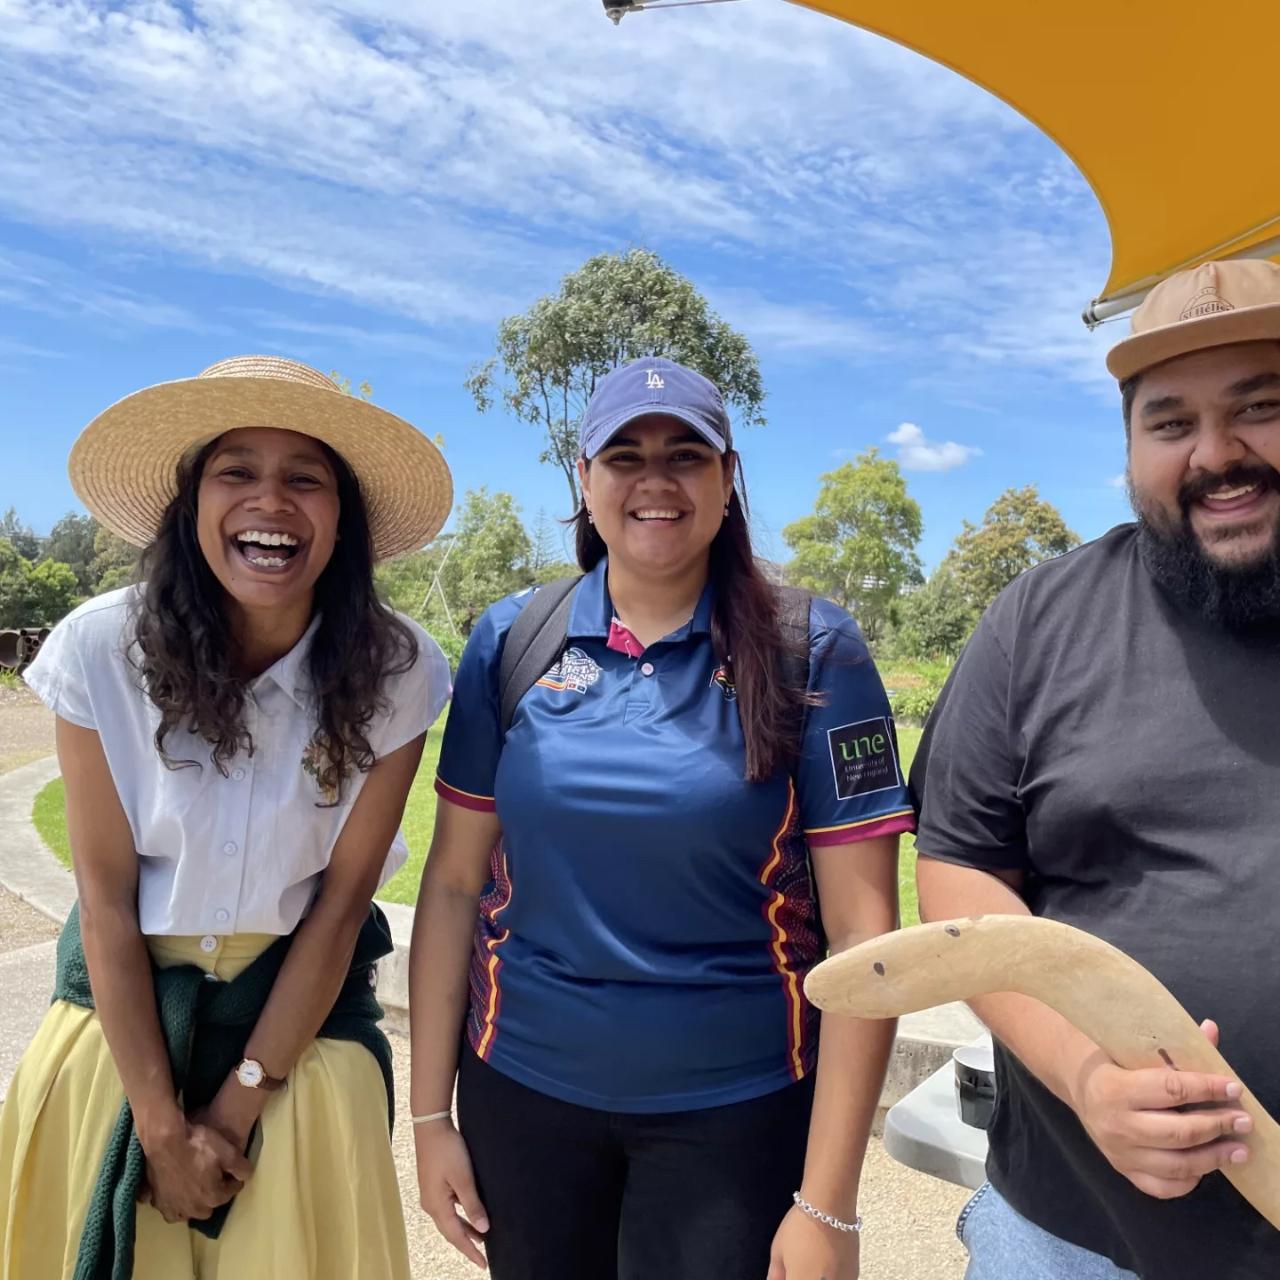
654,381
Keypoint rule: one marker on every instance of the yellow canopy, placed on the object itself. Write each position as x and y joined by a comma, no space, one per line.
1166,106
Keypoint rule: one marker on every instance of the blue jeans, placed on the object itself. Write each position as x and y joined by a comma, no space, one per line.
1003,1245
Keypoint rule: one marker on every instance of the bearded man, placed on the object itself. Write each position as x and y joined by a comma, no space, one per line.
1107,753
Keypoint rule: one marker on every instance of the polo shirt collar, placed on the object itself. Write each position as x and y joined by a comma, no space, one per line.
592,613
292,673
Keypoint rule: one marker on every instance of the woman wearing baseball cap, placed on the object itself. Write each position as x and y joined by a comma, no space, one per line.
634,867
209,1094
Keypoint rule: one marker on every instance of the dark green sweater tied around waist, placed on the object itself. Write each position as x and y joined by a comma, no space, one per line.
206,1026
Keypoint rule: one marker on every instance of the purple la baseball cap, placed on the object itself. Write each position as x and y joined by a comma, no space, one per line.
653,385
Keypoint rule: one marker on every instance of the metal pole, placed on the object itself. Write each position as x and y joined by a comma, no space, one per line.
1117,304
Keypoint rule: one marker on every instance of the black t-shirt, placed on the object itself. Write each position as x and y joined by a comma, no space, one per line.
1126,757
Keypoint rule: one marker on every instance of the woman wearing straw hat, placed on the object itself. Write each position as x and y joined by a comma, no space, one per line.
209,1094
632,871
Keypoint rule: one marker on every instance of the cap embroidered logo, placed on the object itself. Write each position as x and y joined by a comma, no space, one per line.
1205,303
654,381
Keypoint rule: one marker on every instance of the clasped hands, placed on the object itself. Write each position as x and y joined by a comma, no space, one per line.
196,1163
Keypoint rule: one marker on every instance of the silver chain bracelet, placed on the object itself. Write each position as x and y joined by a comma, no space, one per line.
805,1207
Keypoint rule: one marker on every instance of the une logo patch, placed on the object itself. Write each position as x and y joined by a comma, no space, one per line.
574,672
864,757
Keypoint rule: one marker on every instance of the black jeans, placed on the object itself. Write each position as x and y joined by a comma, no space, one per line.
574,1193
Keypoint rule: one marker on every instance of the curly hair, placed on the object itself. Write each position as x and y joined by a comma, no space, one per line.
185,650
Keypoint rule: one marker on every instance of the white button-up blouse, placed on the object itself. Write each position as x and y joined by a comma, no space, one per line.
240,853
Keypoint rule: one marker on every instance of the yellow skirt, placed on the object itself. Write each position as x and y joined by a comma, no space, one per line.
322,1204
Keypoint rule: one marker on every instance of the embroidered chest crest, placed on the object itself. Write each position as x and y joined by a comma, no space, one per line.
574,673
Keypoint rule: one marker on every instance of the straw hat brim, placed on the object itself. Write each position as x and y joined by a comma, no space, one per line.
1167,342
124,465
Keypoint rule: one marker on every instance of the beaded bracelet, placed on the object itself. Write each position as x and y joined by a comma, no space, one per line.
805,1207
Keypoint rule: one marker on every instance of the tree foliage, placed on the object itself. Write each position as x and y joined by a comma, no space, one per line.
114,563
448,585
548,552
33,595
614,308
858,547
71,541
489,557
1019,530
935,620
21,537
362,392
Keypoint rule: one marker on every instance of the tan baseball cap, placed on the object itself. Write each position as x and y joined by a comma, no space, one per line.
1212,305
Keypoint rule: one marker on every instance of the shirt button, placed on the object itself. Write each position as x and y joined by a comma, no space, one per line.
212,977
230,847
208,944
646,668
222,915
238,775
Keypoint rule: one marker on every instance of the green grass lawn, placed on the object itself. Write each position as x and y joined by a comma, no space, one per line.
420,815
419,819
50,818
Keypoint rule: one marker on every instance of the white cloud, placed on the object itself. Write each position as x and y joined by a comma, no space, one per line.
38,283
916,453
784,327
446,162
1117,481
12,347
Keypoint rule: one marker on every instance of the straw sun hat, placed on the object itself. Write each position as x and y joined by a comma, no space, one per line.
124,466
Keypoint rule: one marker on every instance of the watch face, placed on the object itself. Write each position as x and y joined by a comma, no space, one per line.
250,1073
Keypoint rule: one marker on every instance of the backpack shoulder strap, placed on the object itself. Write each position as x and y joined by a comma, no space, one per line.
793,622
533,644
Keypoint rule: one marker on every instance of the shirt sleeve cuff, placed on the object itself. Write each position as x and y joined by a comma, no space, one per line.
888,824
51,693
465,799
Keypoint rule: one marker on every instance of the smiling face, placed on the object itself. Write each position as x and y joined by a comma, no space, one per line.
267,517
1204,452
657,492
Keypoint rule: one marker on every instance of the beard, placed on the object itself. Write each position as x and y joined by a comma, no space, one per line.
1240,598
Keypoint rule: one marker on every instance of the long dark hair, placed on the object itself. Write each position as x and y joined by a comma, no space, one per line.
746,634
185,651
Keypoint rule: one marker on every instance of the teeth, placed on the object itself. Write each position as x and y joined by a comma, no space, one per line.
267,539
657,515
269,562
1225,495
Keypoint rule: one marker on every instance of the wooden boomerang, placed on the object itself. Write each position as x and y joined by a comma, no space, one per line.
1101,991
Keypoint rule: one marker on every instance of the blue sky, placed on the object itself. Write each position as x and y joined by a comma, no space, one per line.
371,187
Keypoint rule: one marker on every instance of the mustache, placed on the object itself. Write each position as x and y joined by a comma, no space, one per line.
1234,477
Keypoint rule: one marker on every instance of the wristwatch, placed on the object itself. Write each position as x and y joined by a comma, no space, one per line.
253,1075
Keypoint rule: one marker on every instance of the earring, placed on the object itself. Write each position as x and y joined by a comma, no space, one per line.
726,508
590,518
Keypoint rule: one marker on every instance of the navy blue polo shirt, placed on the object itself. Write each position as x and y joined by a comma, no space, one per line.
651,916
